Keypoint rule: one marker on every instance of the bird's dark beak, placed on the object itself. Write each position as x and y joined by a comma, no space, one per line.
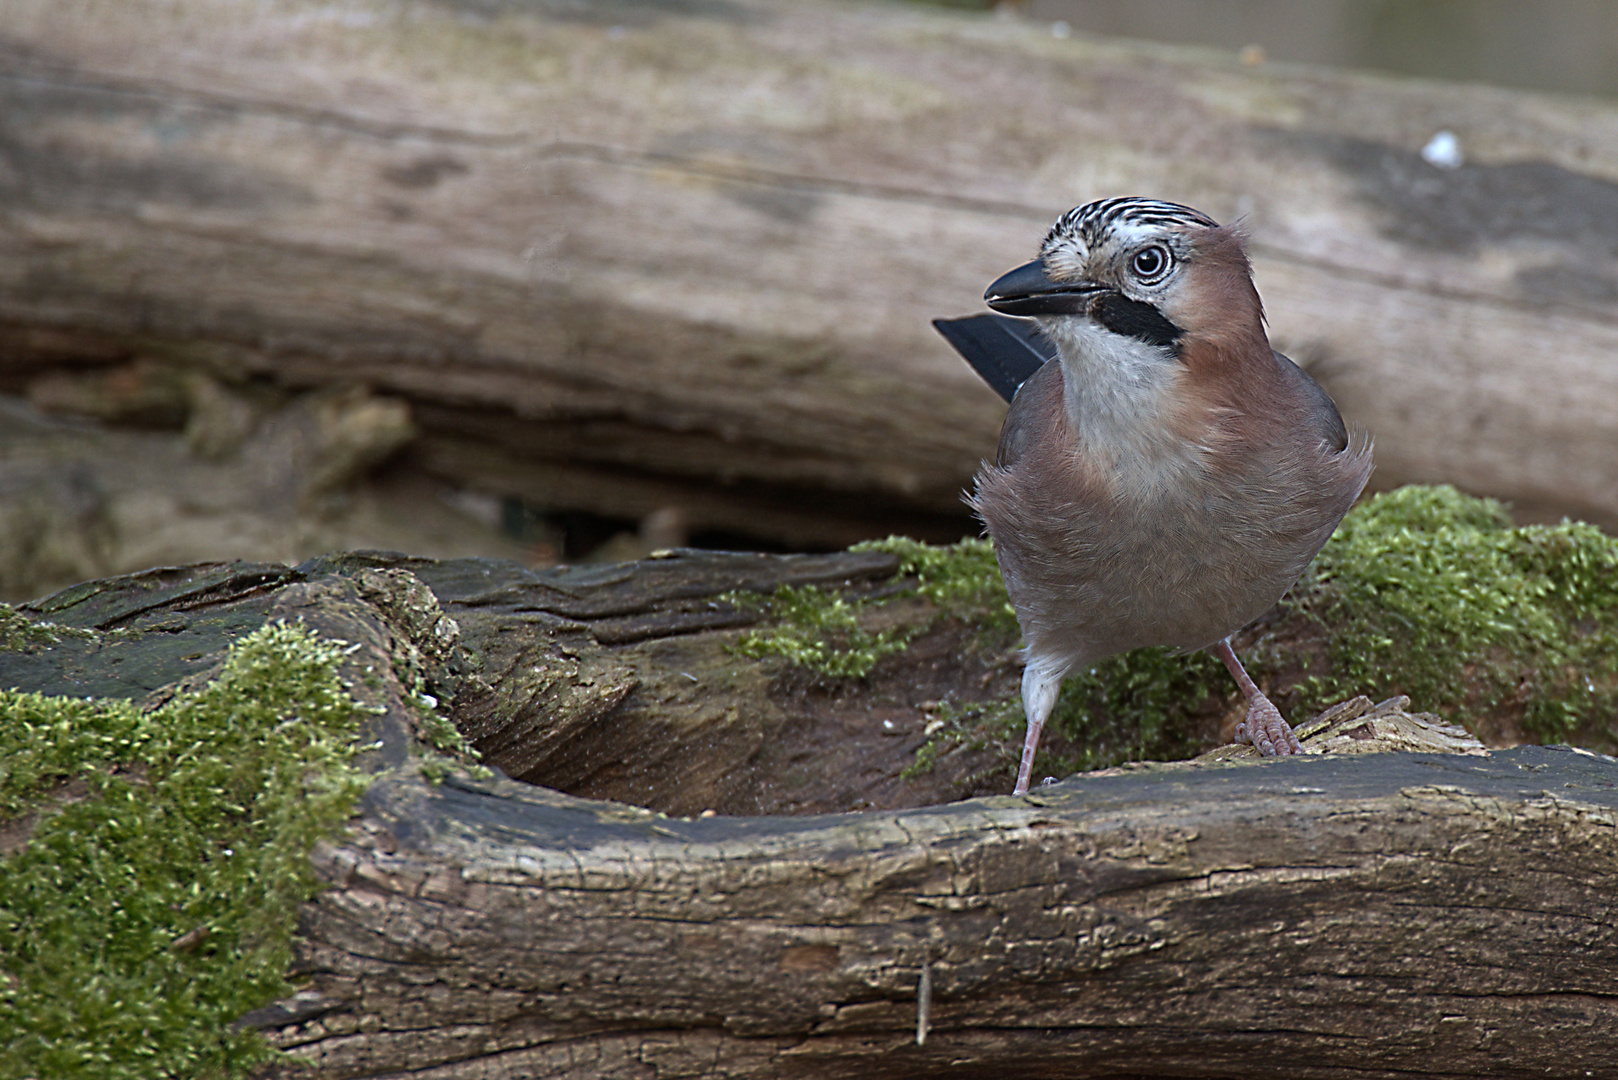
1027,291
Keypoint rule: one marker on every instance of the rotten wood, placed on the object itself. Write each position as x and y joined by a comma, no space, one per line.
1439,914
625,257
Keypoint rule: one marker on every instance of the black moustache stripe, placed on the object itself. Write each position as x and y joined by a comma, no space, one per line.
1131,318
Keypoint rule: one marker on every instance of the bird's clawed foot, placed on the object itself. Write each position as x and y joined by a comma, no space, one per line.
1267,729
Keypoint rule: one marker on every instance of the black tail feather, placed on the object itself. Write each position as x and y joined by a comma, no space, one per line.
1005,351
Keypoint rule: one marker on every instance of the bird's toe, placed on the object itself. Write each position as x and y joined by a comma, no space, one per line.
1267,730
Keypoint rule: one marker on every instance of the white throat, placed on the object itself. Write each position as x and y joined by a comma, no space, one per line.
1118,392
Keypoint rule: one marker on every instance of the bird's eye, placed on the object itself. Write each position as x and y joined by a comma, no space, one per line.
1150,263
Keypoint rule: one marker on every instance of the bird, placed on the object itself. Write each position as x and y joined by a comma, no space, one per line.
1163,475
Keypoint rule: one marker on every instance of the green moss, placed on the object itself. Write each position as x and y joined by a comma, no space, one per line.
18,633
1133,707
822,630
140,920
1434,594
1425,591
962,579
443,749
446,749
1136,706
978,725
440,733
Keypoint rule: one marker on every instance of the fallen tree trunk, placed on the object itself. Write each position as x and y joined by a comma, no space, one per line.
1417,914
642,257
1434,914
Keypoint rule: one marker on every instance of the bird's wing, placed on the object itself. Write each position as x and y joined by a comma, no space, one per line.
1005,351
1322,409
1035,415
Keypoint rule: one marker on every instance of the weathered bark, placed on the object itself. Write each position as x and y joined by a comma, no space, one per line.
1431,914
637,255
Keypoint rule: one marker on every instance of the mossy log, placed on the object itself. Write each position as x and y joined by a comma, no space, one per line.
1431,914
626,256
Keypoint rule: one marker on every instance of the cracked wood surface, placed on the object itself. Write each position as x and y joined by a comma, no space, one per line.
1423,914
1343,914
635,255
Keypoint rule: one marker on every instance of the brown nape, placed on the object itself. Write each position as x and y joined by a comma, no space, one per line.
1225,349
1222,307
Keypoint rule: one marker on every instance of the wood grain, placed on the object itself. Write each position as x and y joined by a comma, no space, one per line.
698,245
1430,914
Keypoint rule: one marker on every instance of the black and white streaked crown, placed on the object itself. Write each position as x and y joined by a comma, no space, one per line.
1094,222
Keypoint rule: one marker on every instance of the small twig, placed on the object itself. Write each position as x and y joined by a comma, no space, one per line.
924,1002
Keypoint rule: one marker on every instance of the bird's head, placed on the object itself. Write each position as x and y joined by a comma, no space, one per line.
1155,272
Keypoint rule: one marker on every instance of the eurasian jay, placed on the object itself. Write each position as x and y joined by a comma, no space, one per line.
1171,475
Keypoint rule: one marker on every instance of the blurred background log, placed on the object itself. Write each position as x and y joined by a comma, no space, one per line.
674,264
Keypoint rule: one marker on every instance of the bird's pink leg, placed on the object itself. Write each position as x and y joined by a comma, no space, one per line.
1264,727
1041,681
